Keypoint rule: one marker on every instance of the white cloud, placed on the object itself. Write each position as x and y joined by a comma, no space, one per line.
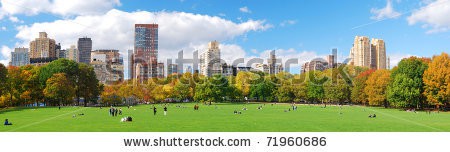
57,7
434,16
397,57
5,55
288,22
3,28
115,30
385,13
245,10
14,19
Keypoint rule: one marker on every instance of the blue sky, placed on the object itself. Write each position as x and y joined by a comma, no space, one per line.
303,29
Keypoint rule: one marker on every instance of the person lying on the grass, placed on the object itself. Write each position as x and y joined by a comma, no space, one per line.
7,122
126,119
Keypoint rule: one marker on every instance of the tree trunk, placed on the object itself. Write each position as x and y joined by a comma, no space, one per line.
85,101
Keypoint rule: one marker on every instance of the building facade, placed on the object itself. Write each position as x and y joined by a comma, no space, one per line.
43,47
360,52
379,54
315,65
160,70
20,57
370,54
145,53
210,62
108,66
72,53
84,50
172,69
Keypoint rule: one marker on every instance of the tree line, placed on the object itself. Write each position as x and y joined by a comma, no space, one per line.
413,83
61,82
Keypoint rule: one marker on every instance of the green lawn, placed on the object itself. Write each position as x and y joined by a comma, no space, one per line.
220,118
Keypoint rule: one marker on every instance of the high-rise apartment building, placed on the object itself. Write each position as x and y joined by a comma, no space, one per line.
43,47
160,70
145,55
72,53
210,62
368,54
379,54
172,69
332,59
84,50
360,52
272,61
108,66
20,57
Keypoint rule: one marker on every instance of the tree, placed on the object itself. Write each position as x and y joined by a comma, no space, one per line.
87,85
109,96
263,90
69,67
182,91
406,89
437,80
244,81
285,93
57,88
215,89
14,85
32,92
359,83
3,78
402,93
376,87
315,90
336,89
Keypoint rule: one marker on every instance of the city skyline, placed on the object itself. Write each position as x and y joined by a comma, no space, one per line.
245,29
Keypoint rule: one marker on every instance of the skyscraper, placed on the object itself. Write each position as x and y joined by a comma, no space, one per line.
84,50
43,47
210,63
145,52
332,59
272,61
20,57
371,54
379,54
360,52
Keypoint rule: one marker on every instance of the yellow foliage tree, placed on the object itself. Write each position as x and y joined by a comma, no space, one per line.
376,86
437,80
244,80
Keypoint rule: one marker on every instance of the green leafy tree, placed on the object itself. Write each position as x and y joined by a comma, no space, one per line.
87,84
3,78
263,90
315,90
406,89
215,89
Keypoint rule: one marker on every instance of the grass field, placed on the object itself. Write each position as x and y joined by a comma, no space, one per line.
220,118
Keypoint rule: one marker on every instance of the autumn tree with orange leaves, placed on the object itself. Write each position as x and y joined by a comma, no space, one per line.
437,80
376,86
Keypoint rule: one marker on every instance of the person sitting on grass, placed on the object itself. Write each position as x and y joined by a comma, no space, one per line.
370,116
374,116
235,112
127,119
7,123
